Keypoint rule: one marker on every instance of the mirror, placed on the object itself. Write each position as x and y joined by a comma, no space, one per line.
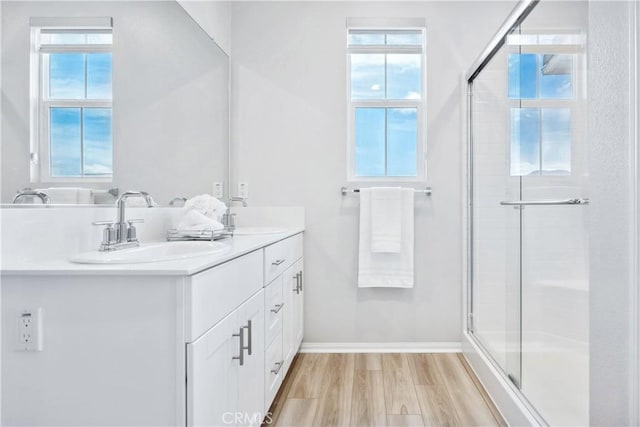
170,108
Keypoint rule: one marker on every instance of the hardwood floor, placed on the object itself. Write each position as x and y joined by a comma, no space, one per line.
373,389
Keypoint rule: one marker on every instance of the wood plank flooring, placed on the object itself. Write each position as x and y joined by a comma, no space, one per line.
378,390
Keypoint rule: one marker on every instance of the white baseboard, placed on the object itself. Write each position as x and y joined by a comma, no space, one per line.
380,347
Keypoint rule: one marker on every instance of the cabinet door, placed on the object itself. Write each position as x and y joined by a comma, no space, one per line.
290,286
251,373
298,307
212,375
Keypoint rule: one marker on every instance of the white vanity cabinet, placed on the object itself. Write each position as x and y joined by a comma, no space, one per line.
293,322
199,343
225,358
224,370
283,310
236,366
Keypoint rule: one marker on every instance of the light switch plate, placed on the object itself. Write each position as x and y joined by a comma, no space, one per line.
218,190
243,190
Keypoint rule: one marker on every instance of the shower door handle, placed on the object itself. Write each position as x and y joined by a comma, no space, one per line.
545,202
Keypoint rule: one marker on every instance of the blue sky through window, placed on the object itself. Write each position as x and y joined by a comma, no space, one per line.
386,137
540,137
80,137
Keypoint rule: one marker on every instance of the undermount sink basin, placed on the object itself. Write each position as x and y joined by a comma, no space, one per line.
152,252
246,231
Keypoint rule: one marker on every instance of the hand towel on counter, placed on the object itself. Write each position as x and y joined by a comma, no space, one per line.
207,205
203,212
386,269
195,221
386,219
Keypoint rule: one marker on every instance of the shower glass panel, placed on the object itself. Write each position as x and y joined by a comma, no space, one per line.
529,287
555,264
496,230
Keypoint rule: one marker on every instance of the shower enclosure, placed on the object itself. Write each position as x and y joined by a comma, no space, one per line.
528,282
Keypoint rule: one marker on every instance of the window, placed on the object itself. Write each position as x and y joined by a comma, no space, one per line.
542,86
71,75
386,103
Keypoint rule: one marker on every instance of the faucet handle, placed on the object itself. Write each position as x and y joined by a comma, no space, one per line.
109,234
131,230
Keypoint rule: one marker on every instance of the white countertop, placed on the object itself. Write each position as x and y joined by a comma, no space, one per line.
238,246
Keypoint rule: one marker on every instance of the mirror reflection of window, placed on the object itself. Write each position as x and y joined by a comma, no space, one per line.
73,136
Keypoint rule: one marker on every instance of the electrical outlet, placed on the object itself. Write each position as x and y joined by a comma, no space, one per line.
218,191
30,330
243,190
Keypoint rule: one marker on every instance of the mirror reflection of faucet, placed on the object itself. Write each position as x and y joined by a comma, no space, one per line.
121,234
228,219
179,201
29,192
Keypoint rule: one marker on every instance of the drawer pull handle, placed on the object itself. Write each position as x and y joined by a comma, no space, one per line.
278,262
248,348
240,334
297,288
277,308
279,366
300,280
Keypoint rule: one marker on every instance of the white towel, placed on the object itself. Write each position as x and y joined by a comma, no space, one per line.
378,269
207,205
203,212
386,219
195,221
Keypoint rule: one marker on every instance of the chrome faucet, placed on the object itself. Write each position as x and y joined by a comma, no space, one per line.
122,233
28,192
228,218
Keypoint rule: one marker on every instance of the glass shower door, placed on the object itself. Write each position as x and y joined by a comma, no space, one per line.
529,293
496,296
554,246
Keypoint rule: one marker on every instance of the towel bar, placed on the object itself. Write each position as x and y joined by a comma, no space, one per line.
426,191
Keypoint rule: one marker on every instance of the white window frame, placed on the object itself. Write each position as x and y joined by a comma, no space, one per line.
40,104
419,105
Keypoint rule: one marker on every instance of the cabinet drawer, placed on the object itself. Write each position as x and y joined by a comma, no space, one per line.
279,256
273,310
274,371
214,293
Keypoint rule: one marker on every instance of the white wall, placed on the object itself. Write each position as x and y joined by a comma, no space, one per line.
289,143
610,222
170,91
214,17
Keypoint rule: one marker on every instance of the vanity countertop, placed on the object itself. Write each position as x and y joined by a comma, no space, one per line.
239,245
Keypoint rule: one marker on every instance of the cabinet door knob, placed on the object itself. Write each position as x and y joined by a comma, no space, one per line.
240,334
277,308
278,261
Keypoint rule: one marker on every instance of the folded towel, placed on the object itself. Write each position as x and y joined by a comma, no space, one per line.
195,221
386,219
207,205
69,195
383,269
